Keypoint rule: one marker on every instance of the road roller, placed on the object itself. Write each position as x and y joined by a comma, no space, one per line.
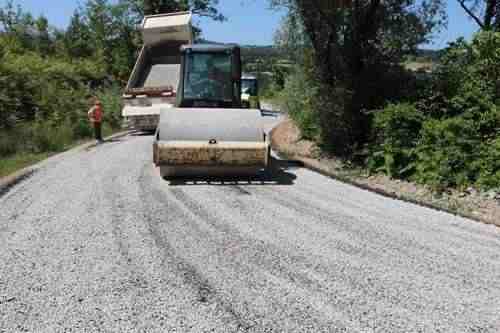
208,132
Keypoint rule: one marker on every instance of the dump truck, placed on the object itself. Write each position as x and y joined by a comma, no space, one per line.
153,82
250,91
209,132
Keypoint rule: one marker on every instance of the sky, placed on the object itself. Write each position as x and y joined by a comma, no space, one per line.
249,22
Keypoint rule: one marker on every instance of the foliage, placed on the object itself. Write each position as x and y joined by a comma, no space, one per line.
48,75
446,152
12,163
205,8
451,136
298,98
357,47
396,134
488,164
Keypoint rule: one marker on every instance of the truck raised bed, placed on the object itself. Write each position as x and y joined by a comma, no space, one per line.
154,80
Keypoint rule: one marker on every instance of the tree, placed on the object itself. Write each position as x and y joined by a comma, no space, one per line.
99,20
355,46
125,40
206,8
77,39
486,13
43,41
11,17
291,37
17,24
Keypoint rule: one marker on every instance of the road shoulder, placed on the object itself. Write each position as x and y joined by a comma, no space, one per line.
9,181
481,207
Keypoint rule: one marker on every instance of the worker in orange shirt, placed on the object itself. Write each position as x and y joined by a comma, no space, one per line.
95,115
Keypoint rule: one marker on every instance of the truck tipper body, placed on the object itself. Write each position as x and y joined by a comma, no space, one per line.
155,77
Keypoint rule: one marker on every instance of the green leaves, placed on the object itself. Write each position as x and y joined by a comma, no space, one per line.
446,152
451,138
298,95
396,134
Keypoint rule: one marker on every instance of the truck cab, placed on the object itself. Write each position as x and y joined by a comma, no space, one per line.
250,92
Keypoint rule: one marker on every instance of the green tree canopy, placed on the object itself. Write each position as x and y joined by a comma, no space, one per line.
353,46
206,8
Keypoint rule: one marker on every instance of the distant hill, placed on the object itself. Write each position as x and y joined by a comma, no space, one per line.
248,50
432,55
264,59
270,50
256,51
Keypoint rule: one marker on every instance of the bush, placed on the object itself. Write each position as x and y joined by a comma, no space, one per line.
488,164
48,137
8,143
451,137
82,129
298,96
396,131
447,151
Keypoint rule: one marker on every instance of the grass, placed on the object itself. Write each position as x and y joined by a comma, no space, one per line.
11,164
15,162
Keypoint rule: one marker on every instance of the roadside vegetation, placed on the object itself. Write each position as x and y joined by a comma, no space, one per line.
354,90
48,75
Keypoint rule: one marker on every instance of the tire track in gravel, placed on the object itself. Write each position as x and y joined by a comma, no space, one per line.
246,246
260,257
286,266
367,232
472,271
463,231
352,284
168,211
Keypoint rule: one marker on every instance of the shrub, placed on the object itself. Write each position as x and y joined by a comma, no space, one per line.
298,96
451,137
48,137
8,143
82,129
447,151
396,131
488,164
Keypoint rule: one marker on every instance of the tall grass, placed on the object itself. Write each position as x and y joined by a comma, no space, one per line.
34,140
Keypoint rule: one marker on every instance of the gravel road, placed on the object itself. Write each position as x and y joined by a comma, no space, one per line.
96,241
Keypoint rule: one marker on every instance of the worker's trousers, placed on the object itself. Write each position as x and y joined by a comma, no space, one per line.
98,131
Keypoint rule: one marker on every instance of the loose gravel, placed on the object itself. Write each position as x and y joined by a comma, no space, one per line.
96,241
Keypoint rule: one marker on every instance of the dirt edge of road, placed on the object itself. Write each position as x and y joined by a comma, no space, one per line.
12,180
9,181
286,141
